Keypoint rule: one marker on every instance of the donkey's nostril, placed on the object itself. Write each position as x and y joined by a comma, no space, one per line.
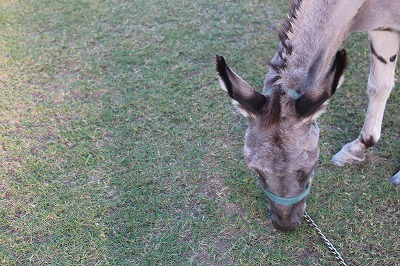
285,225
296,224
269,212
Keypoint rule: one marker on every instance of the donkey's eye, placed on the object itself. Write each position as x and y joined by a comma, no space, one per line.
261,178
260,174
302,176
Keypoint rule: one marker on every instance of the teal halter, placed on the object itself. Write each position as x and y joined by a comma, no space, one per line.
291,92
291,200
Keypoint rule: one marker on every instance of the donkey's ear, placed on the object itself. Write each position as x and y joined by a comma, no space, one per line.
245,97
312,103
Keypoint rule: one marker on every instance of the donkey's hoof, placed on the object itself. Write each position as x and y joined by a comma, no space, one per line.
343,157
337,160
396,179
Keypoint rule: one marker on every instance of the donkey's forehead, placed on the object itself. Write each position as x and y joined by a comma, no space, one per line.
277,141
281,107
277,149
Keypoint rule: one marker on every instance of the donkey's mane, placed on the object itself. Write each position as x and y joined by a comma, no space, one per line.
309,39
278,66
283,34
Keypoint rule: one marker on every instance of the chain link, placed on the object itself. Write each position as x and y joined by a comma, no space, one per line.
328,243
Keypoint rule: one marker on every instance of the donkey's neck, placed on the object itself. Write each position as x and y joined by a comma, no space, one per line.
312,35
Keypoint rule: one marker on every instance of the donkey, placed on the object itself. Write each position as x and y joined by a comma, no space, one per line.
281,142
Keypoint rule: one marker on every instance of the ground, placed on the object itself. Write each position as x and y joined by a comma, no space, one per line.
119,148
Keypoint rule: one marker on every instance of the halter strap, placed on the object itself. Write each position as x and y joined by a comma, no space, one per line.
291,92
291,200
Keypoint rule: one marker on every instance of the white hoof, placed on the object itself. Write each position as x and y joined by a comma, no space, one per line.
396,179
351,153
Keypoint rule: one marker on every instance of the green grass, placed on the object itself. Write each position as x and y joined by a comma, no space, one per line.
118,148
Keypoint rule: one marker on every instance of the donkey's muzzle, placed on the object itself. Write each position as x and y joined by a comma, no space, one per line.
287,218
287,224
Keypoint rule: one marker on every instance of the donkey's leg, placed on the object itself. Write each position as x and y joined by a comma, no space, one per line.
384,48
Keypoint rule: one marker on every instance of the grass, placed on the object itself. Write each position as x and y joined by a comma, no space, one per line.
118,147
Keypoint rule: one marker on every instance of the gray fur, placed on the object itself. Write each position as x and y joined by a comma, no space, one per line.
285,151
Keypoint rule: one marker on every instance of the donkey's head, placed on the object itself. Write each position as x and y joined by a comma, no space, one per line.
281,142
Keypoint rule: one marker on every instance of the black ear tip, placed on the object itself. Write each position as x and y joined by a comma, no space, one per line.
342,55
219,59
341,62
220,65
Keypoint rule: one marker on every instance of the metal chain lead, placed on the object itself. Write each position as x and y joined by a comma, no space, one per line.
328,243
